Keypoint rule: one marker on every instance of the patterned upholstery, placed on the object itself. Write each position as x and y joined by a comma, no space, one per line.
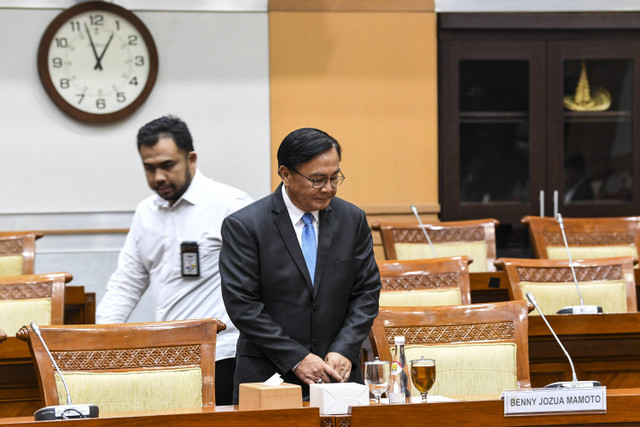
425,282
474,238
478,348
607,282
129,367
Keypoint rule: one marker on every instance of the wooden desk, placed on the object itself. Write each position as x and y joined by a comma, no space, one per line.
604,347
19,394
622,407
204,417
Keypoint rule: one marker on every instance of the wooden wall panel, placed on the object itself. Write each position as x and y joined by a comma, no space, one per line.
369,79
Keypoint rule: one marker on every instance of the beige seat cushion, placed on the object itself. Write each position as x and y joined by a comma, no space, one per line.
11,265
476,250
15,313
469,369
134,391
423,298
591,252
551,297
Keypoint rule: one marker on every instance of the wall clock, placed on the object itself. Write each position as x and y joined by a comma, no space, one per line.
98,62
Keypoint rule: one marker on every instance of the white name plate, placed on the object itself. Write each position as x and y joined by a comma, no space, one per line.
549,401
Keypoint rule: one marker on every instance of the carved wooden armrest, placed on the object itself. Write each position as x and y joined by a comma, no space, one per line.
221,325
23,334
3,336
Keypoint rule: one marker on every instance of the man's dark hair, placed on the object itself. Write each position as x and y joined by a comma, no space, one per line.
166,127
302,145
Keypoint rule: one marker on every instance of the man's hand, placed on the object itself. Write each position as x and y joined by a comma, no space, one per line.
312,368
341,364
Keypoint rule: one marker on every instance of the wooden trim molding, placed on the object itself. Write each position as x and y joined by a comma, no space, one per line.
352,6
404,209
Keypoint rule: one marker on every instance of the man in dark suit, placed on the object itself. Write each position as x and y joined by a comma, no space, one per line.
303,310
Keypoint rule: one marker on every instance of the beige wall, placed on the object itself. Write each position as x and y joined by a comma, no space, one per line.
366,74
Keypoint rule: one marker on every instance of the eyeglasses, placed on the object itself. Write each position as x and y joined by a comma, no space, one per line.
321,182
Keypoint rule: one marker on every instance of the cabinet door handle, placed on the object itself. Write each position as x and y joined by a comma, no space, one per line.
555,203
541,203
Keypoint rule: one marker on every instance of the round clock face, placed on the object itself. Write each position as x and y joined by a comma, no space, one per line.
98,62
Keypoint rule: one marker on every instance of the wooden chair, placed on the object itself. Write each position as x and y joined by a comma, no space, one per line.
478,348
425,282
17,252
476,238
607,282
32,297
129,366
587,238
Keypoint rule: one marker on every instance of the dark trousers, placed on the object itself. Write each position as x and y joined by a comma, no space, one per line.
224,380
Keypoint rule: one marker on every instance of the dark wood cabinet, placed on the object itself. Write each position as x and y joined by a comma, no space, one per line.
514,139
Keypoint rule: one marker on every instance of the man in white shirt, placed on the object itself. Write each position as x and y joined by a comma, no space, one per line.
174,243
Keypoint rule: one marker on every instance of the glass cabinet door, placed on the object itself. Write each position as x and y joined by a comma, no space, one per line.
491,151
590,128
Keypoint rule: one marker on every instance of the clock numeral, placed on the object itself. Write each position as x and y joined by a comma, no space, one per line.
134,81
101,104
80,97
64,83
75,25
57,62
96,20
133,40
139,61
117,25
120,97
61,42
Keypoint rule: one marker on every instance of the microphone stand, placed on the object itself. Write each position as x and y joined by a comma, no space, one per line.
574,383
424,231
582,308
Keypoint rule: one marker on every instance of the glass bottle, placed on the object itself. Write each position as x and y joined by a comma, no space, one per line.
399,383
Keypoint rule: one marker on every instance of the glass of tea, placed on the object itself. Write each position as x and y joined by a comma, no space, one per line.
376,376
423,375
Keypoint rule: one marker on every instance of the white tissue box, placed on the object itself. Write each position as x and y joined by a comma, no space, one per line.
337,398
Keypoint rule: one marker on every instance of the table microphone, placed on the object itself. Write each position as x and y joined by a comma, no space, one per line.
575,309
574,383
62,412
424,231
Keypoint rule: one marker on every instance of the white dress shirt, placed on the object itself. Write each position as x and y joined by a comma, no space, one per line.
151,258
295,213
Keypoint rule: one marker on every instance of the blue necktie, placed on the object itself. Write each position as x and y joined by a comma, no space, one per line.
309,244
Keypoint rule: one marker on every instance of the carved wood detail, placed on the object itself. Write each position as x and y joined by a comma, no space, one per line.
344,422
442,334
11,246
590,239
442,235
563,274
26,291
152,357
421,281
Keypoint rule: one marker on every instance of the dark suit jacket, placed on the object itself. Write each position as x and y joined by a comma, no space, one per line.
268,293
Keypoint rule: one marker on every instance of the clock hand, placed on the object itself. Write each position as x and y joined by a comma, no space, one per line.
103,51
95,53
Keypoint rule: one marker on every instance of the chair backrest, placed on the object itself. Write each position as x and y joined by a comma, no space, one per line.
425,282
17,252
607,282
587,238
32,297
475,238
129,366
478,348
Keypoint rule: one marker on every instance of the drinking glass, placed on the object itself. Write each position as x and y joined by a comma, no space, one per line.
423,375
376,376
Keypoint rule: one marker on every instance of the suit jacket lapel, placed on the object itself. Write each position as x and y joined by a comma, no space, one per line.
288,234
324,242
